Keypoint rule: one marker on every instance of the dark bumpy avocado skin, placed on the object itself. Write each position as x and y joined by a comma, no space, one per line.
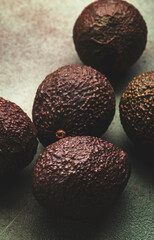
110,35
76,100
136,109
80,176
18,141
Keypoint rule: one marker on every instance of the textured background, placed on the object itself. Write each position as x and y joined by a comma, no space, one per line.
36,39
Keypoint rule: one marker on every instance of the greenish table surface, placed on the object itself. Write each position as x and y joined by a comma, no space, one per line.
36,39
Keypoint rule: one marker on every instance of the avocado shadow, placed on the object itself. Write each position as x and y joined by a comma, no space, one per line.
20,178
15,190
121,79
142,160
67,228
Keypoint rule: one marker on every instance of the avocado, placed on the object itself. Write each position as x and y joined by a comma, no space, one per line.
18,142
74,100
136,109
110,35
80,176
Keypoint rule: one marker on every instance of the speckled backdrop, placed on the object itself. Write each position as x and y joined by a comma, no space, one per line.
36,39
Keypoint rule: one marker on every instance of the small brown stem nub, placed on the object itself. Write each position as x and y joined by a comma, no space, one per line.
60,134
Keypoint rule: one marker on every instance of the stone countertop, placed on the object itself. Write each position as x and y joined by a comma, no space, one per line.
36,39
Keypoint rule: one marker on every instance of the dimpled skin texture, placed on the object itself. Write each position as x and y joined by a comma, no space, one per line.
18,141
110,35
137,108
76,99
80,176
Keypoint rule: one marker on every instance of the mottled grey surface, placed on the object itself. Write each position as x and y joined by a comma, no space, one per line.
36,39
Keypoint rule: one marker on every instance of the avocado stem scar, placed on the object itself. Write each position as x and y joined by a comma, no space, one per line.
60,134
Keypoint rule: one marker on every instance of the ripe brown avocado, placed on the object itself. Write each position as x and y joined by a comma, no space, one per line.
74,100
136,109
110,35
18,141
80,176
